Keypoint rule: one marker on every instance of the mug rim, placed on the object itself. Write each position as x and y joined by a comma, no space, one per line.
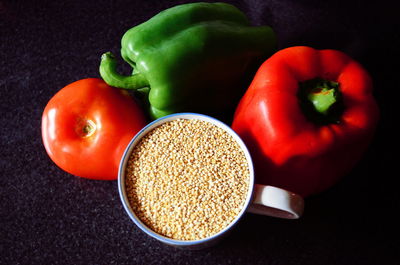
122,169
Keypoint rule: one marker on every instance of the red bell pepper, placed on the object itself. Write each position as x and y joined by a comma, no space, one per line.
307,118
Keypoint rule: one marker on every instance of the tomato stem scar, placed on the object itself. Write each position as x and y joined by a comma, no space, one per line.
85,127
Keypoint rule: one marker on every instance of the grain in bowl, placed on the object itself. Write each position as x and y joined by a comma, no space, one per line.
187,179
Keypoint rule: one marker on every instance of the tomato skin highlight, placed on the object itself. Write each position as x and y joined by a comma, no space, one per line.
86,127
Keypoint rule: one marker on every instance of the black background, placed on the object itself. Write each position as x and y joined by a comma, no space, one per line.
50,217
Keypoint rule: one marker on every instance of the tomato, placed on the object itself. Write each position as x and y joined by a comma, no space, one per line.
86,127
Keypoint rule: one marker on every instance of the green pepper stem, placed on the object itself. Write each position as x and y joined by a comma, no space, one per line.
111,77
321,100
323,95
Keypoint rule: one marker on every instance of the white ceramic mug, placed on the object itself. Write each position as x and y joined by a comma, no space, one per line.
261,199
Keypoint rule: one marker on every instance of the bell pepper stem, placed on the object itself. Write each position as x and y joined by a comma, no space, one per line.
323,95
110,75
321,100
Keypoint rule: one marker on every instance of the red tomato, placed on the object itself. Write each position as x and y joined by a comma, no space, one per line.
86,127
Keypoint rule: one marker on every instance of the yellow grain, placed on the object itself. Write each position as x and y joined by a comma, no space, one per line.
187,179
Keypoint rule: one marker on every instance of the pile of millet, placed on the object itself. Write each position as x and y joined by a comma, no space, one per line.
187,179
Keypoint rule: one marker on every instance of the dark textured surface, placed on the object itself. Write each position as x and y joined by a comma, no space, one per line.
50,217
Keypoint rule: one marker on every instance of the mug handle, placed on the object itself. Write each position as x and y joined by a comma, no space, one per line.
276,202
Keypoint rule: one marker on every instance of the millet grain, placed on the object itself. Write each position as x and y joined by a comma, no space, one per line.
187,179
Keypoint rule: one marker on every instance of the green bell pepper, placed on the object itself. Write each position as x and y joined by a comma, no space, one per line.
191,57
